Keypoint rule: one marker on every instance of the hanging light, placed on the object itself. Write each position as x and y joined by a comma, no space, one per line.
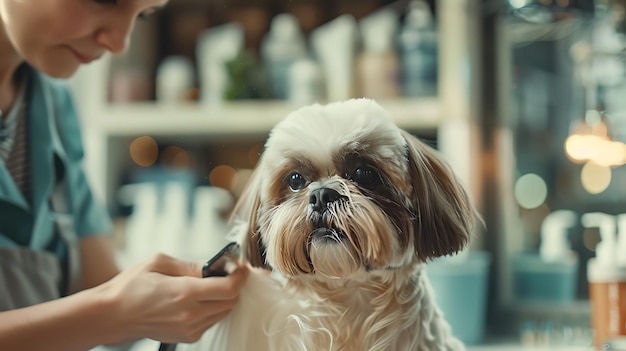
590,141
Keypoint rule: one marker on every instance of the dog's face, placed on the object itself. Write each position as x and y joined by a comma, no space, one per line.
340,189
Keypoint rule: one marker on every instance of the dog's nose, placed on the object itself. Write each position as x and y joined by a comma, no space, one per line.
321,197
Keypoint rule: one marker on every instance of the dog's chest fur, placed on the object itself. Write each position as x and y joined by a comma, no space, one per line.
388,311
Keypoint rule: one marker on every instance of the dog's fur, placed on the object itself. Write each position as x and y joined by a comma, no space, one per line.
345,208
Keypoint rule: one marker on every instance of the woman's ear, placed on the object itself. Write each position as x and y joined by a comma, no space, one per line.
245,219
444,214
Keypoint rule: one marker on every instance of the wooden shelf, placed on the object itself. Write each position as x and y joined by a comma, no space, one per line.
234,118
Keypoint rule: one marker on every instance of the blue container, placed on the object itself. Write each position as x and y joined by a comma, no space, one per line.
460,287
538,281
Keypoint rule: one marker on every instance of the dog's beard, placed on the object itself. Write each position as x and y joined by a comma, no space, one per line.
351,235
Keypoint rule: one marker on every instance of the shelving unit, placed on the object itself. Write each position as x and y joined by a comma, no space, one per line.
235,118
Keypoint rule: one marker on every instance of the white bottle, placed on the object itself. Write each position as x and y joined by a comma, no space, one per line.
378,67
140,225
555,246
216,46
208,229
306,82
605,260
334,46
172,225
175,77
283,45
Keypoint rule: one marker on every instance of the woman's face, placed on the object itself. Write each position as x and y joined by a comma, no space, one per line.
57,36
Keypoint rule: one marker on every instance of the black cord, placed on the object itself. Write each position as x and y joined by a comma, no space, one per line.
167,347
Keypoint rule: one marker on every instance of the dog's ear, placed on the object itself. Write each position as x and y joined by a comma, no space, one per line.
444,214
245,218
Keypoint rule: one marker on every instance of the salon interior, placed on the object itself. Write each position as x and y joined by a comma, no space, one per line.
526,100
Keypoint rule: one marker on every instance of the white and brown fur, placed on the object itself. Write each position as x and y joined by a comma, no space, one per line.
350,257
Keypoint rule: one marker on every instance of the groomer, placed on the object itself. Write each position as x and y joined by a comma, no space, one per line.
59,286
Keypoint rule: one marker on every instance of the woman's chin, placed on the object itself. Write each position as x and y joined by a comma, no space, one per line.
60,71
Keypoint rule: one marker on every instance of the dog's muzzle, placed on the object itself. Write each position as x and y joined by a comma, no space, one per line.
321,221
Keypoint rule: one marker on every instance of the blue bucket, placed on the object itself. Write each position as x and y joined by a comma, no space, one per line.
538,281
460,287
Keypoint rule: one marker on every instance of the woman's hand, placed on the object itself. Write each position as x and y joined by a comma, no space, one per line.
167,300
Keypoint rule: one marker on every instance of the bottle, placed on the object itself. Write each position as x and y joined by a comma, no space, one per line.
607,282
378,67
174,79
282,46
217,46
305,83
334,47
419,51
554,245
138,243
208,229
171,233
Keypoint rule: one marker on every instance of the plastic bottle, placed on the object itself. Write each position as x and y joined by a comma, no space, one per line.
306,83
334,46
282,46
208,229
607,282
606,249
555,245
175,77
378,67
140,224
216,46
172,225
419,51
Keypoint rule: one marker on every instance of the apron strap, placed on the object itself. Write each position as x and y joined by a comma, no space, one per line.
65,228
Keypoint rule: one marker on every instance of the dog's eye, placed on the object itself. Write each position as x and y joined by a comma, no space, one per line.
366,176
296,182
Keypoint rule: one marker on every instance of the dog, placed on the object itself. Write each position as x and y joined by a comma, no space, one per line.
345,209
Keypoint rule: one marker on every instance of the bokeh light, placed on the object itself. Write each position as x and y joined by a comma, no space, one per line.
223,176
530,191
144,151
595,178
177,157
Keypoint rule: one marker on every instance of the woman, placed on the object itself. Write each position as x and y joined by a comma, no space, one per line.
51,241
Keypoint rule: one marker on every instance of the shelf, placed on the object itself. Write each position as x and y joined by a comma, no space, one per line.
234,118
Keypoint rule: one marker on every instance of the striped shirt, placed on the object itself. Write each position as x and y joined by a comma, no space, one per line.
14,145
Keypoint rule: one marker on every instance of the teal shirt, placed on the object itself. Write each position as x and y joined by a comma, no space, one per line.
54,130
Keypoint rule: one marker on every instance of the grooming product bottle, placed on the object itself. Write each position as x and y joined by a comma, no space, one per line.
138,242
378,67
305,83
208,229
419,51
172,228
606,275
175,77
334,46
555,245
282,46
217,46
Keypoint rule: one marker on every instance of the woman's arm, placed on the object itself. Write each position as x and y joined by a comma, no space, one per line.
163,299
97,261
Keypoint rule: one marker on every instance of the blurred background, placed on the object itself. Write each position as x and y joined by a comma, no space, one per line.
525,98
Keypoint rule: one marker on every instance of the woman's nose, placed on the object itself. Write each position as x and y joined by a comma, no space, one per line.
116,37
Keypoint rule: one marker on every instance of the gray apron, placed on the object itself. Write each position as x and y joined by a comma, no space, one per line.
29,277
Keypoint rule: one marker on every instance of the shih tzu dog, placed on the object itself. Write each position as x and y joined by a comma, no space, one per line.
344,208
